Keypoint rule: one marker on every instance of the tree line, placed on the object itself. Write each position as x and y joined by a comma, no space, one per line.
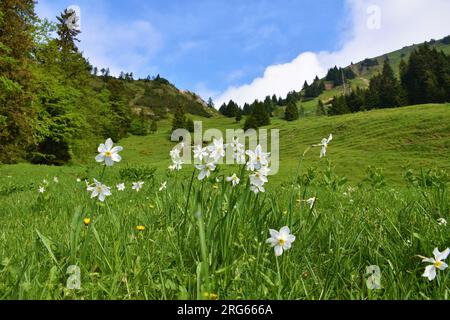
53,103
424,78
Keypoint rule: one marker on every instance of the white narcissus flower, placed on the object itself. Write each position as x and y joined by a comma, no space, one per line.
99,190
41,189
281,240
137,186
121,186
200,153
437,263
238,151
257,189
55,180
258,179
257,159
324,145
78,180
217,150
176,165
108,154
163,186
45,181
234,179
175,153
442,222
205,170
311,202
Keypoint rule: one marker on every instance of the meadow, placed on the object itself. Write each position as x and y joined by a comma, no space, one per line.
380,199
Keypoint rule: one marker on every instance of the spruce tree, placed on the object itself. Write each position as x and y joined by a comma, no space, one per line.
260,114
291,112
389,87
250,123
179,119
238,116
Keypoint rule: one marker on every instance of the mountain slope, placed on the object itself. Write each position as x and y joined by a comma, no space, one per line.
392,139
157,98
370,67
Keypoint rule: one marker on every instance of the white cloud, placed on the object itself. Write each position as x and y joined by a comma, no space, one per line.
403,22
112,43
119,47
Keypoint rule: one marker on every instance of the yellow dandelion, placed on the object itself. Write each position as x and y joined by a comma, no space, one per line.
87,221
140,228
215,187
210,296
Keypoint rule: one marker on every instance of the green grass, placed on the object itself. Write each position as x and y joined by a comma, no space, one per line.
215,241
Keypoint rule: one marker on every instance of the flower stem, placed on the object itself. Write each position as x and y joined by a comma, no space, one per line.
279,279
189,192
103,174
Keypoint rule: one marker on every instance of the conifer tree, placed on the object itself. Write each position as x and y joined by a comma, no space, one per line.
179,119
291,112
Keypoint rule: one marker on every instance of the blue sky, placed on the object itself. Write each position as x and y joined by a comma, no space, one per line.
244,49
211,44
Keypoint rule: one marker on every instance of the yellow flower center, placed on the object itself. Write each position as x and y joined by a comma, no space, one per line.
86,221
438,264
140,228
108,154
281,242
258,158
98,189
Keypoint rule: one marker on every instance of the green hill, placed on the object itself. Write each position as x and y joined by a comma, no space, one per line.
391,139
370,67
158,100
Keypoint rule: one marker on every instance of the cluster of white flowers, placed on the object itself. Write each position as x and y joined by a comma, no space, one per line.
258,164
46,184
175,154
107,155
207,159
238,151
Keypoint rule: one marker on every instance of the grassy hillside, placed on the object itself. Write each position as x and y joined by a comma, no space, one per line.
364,74
392,139
208,239
157,99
